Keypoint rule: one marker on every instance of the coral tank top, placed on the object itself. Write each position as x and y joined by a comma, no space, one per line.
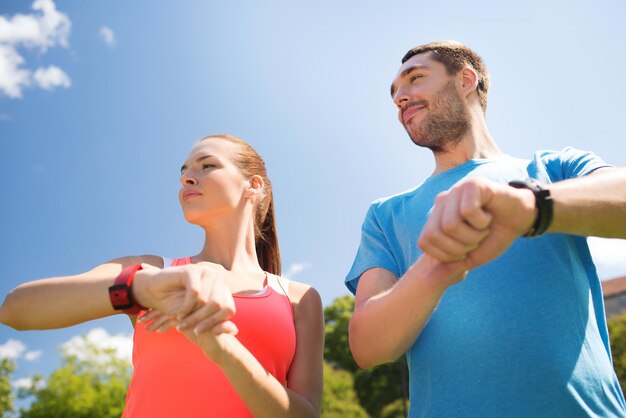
173,378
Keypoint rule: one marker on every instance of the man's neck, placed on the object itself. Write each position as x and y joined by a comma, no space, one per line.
477,143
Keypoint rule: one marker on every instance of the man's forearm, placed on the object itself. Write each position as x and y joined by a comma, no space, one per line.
594,205
385,326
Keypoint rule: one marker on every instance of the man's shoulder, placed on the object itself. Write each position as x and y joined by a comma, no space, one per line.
397,198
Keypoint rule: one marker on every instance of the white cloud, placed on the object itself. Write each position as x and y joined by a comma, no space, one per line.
12,349
43,29
99,337
12,77
26,382
296,268
32,355
107,35
609,255
51,77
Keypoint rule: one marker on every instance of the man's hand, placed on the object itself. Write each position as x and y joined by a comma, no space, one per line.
475,221
189,297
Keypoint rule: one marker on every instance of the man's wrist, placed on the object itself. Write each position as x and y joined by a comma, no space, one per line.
544,206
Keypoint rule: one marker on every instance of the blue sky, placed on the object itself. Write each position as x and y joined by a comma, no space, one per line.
100,103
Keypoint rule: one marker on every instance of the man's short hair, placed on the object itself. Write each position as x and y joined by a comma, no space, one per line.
454,56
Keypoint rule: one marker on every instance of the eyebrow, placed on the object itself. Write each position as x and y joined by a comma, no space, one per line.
408,71
199,159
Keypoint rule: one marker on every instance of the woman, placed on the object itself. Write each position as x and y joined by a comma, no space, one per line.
201,368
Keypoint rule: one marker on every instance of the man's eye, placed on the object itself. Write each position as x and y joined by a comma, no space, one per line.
415,77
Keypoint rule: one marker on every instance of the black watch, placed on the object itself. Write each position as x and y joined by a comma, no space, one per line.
543,203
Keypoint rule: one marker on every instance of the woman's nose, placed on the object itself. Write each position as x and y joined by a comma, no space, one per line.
186,179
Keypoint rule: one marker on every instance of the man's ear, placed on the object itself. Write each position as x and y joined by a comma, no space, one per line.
255,186
469,80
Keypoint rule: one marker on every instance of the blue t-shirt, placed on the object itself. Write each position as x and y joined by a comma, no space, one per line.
522,336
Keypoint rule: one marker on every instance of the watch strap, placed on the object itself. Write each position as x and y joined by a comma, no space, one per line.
543,203
121,294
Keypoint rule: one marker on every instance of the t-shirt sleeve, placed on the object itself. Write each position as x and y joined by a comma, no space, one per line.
374,251
570,163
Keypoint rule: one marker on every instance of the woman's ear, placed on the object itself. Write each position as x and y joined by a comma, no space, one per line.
255,186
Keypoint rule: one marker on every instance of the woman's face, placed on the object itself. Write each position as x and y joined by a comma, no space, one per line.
212,186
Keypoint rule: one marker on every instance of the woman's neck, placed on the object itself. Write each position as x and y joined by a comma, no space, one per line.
230,243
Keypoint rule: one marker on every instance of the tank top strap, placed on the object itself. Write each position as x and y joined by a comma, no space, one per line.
179,261
279,284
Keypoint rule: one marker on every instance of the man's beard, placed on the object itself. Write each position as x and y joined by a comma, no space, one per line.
445,124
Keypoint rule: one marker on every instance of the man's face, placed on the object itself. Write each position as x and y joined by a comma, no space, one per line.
429,106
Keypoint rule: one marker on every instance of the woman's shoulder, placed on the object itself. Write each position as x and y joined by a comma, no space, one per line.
297,290
304,298
153,260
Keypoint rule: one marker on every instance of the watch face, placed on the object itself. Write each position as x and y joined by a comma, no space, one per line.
119,295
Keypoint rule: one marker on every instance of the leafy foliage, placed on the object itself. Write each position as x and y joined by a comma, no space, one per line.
380,386
376,387
340,400
336,349
93,385
7,366
617,332
396,409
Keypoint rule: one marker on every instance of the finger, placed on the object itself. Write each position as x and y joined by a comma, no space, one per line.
168,325
225,327
463,232
209,315
453,224
158,323
442,247
150,316
190,280
471,208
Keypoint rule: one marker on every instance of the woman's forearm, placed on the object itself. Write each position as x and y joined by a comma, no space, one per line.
264,396
61,301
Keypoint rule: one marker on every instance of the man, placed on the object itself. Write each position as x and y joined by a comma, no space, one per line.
524,332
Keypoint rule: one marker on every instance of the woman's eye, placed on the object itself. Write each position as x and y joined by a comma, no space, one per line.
205,166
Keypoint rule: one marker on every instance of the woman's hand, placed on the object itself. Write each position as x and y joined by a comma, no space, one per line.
216,347
193,296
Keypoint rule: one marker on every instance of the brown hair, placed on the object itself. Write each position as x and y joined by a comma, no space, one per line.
455,56
249,162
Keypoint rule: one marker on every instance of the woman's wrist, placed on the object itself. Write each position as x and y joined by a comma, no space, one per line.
141,290
221,349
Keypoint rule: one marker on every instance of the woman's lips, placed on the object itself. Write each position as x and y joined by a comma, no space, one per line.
188,194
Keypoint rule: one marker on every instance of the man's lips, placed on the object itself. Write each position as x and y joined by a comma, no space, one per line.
410,111
188,194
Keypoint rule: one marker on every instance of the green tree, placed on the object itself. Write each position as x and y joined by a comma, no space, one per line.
7,367
396,409
617,332
340,400
336,348
376,387
380,386
93,385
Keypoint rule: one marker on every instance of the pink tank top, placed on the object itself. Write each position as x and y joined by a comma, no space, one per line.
172,377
